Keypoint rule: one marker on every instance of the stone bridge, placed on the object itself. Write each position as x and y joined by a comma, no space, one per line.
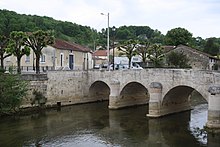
166,90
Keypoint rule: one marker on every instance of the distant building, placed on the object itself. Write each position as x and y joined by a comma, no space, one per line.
62,55
198,59
100,57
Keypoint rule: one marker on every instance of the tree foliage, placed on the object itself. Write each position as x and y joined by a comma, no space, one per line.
156,55
37,41
177,59
142,50
178,36
12,90
212,46
3,46
11,21
128,48
17,48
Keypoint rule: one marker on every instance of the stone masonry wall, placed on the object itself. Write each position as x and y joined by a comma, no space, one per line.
72,87
197,59
36,82
67,87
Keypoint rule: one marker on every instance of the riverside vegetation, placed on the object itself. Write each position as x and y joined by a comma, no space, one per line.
12,91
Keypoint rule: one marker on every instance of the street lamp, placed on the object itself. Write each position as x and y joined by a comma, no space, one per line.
113,30
107,41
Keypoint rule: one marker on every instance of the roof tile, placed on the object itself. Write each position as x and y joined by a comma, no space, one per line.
100,53
61,44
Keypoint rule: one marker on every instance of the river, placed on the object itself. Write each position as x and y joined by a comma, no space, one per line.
95,125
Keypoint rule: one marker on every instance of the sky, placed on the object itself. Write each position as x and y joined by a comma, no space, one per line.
200,17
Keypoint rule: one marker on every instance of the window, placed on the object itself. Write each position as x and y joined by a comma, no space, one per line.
42,58
61,59
212,60
27,59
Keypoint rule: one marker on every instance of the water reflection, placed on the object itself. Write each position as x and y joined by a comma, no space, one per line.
94,125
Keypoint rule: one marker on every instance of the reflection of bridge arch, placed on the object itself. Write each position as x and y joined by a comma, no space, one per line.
99,91
134,93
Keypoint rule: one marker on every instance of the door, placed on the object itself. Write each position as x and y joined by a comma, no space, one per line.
71,62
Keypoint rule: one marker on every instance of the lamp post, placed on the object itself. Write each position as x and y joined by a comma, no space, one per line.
113,29
107,41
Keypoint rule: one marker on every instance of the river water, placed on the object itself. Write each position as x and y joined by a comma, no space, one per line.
95,125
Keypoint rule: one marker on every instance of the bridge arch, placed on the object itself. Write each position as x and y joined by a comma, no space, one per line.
99,91
178,99
183,91
134,93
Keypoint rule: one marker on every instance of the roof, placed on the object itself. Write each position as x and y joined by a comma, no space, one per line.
195,50
100,53
168,48
61,44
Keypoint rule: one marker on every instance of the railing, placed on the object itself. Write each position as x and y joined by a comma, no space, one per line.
29,68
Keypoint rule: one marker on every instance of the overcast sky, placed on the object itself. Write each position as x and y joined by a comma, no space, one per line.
200,17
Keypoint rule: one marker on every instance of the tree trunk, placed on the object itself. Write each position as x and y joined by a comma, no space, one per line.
37,64
129,63
18,65
2,62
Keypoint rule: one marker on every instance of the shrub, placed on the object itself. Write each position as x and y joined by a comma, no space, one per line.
12,90
39,98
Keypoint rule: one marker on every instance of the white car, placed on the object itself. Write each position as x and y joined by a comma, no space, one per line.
125,66
118,67
136,66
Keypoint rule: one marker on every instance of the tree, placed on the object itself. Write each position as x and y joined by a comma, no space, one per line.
37,41
123,34
17,48
128,48
142,50
211,46
157,37
155,54
177,59
178,36
198,43
12,90
3,45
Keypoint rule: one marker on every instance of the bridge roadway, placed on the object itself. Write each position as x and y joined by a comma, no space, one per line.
166,90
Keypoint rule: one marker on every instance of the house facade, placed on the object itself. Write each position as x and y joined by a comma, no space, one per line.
100,57
198,59
62,55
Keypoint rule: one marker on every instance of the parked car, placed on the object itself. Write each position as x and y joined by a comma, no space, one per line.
118,67
96,66
135,66
125,66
